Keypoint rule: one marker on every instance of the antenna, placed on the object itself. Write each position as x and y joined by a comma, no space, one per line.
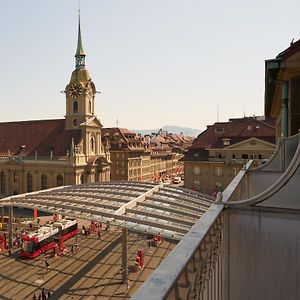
117,122
218,112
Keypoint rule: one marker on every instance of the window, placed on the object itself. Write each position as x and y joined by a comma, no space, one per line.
226,142
235,171
75,122
81,179
90,106
92,144
196,170
218,171
196,185
219,130
59,180
16,176
75,107
29,183
244,156
2,183
43,182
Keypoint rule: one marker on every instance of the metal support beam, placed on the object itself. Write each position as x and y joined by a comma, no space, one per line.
284,107
10,226
124,255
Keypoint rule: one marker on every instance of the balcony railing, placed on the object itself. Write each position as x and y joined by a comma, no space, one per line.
194,269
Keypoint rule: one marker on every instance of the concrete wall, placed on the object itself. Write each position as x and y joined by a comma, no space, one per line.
264,255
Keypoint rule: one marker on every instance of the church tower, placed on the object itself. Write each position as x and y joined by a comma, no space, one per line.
80,92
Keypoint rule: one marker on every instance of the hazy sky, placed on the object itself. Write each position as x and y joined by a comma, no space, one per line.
156,62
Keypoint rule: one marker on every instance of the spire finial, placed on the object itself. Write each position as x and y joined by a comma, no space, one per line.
80,55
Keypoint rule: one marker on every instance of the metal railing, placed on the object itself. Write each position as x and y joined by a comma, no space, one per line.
195,268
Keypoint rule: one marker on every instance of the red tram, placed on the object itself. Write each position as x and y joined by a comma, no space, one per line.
47,237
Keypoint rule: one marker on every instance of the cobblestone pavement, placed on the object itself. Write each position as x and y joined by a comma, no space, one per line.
93,272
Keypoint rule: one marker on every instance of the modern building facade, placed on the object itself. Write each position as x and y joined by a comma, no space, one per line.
219,152
42,154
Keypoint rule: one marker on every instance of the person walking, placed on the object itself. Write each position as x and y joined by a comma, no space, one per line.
127,284
44,297
99,235
34,297
47,265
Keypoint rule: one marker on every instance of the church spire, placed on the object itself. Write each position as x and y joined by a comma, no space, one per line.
80,55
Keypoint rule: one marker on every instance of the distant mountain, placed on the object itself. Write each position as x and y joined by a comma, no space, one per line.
171,129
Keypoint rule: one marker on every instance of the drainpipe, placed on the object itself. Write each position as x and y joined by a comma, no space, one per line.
284,107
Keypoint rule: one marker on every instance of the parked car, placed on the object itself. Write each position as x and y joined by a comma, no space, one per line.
177,179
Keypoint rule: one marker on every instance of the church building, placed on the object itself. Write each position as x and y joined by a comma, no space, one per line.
42,154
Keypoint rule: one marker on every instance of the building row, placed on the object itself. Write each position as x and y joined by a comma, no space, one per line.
42,154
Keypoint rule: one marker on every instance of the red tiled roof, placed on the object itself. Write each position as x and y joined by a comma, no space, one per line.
40,135
237,130
125,138
294,47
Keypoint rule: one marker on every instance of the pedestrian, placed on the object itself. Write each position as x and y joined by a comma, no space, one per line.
127,284
34,297
72,249
9,252
44,297
40,297
107,226
99,235
38,221
49,294
47,265
76,247
83,230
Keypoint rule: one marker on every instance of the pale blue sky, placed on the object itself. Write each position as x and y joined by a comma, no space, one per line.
156,62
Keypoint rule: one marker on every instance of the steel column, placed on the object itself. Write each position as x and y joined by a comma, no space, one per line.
10,226
124,255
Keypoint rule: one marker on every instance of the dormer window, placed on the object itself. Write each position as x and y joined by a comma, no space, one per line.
219,130
226,142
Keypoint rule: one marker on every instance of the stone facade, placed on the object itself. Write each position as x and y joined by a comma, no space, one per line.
138,158
43,154
220,152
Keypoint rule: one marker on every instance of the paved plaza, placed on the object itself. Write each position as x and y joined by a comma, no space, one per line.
93,272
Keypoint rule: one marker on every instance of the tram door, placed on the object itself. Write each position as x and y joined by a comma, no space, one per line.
2,242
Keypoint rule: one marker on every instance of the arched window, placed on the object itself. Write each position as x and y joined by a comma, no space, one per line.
59,180
43,182
75,107
2,183
29,183
92,144
90,107
81,179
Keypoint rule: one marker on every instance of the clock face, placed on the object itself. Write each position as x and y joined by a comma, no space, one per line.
75,90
